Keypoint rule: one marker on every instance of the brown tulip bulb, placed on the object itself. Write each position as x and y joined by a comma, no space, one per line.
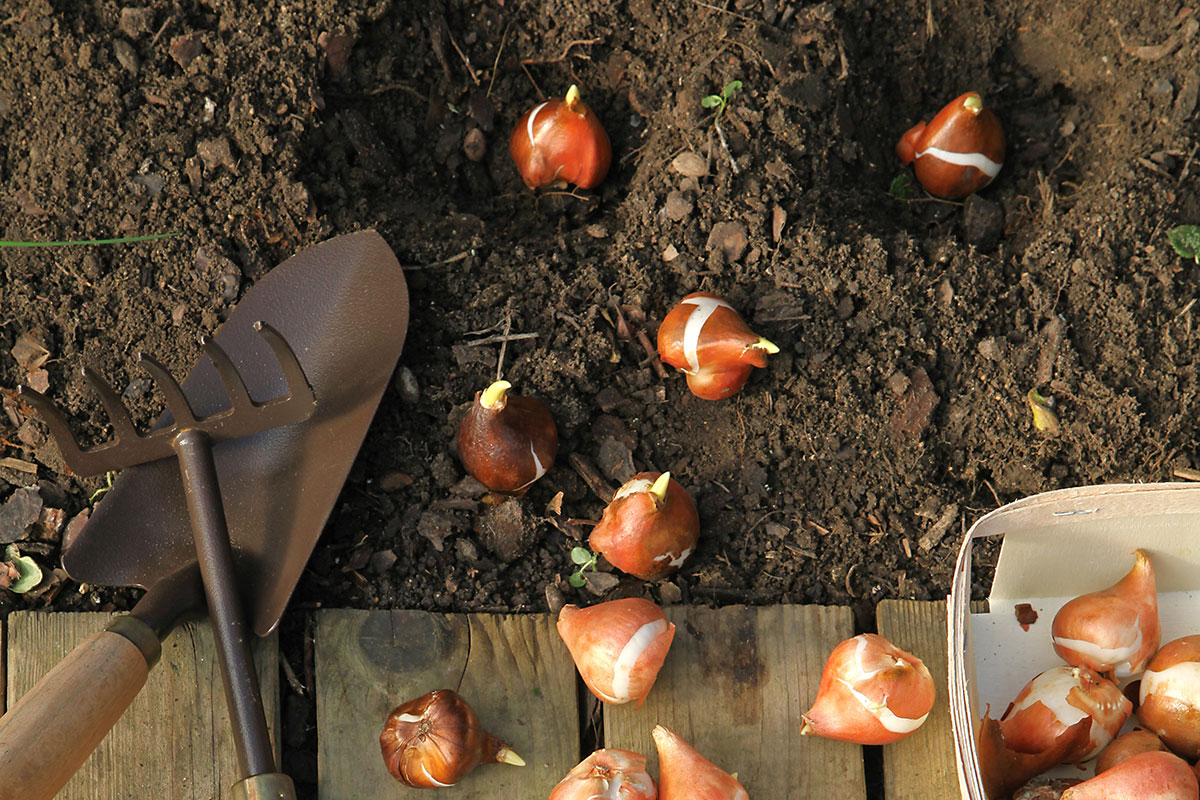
959,152
1053,702
1126,745
650,527
507,442
608,774
684,774
708,341
561,141
436,739
871,692
1170,696
1003,769
618,646
1115,630
1146,776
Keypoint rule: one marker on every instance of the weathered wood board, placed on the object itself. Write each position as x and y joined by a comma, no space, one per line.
922,765
174,742
513,670
734,685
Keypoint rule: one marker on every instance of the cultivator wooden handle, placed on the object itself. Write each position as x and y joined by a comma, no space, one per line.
55,726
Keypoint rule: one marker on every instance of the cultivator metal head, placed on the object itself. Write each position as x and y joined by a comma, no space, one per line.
129,447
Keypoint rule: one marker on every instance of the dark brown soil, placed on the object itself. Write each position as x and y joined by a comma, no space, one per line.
911,330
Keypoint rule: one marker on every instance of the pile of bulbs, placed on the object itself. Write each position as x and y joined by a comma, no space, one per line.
1074,713
871,692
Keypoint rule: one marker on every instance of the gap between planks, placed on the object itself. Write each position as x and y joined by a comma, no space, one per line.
175,741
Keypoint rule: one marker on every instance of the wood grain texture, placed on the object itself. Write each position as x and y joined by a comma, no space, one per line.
734,686
514,671
922,765
175,741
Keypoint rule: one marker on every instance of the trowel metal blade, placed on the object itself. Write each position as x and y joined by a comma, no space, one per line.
342,305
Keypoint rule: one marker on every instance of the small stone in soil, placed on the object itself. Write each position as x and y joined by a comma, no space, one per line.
554,598
505,530
466,551
601,583
215,153
690,165
408,387
983,222
126,56
475,145
669,593
609,399
730,237
670,254
184,49
395,480
677,206
436,527
916,406
382,561
18,513
136,21
615,460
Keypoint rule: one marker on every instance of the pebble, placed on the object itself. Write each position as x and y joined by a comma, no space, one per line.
690,165
136,21
126,55
475,145
554,598
506,531
669,593
983,222
600,583
394,480
677,206
730,237
19,512
989,349
382,561
670,254
436,527
184,49
916,407
215,152
408,387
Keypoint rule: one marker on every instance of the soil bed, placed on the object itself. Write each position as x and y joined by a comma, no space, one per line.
911,329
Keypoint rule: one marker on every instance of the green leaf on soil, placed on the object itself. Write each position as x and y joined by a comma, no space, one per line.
582,556
730,89
902,187
31,573
712,101
122,240
577,580
1186,241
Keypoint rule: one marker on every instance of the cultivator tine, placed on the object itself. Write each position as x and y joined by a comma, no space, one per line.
235,387
299,390
56,421
177,404
118,414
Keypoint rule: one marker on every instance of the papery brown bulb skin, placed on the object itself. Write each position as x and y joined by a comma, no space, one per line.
1115,630
1057,699
1003,770
959,152
618,646
505,441
1126,745
1146,776
609,774
712,345
1169,698
648,532
434,740
871,692
561,140
684,774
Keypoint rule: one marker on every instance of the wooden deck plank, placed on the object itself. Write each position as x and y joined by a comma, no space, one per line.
174,742
514,671
922,765
734,685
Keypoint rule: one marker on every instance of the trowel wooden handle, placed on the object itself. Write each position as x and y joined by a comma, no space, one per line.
52,730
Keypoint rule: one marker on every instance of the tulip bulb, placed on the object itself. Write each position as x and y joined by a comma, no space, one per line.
436,739
1054,701
871,692
684,774
1115,630
618,647
607,774
1169,700
650,527
1146,776
1127,745
507,442
710,342
959,152
560,142
1004,770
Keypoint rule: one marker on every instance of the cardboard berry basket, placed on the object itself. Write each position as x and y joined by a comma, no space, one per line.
1056,546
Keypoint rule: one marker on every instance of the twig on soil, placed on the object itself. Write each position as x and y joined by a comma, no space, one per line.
725,145
1186,308
1155,168
930,26
404,87
566,52
1187,165
504,342
450,260
992,489
531,80
723,11
1186,474
496,63
849,574
463,56
290,675
506,337
592,477
652,355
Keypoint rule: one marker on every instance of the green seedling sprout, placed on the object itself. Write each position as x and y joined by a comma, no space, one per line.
720,102
96,495
584,559
31,573
74,242
1186,241
902,187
